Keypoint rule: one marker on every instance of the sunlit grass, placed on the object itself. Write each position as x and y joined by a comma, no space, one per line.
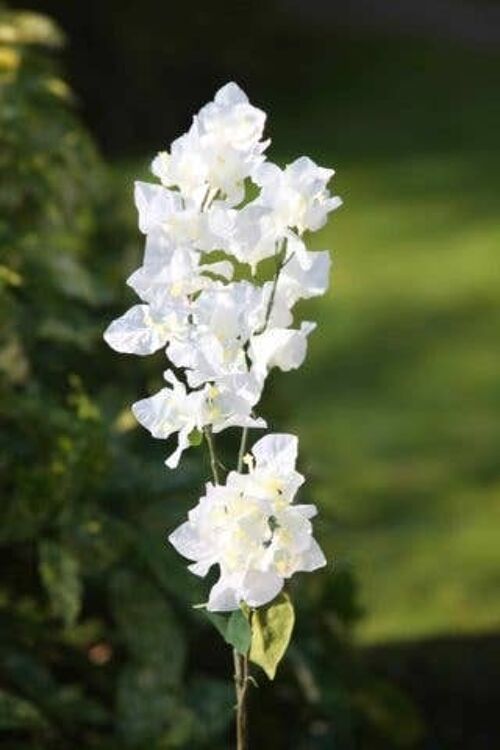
398,407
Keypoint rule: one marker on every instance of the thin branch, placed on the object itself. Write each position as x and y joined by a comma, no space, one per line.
243,447
212,453
281,262
241,684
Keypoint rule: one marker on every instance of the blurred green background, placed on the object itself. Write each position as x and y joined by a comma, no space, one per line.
397,406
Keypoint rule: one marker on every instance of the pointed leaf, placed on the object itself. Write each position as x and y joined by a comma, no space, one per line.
272,628
238,633
234,628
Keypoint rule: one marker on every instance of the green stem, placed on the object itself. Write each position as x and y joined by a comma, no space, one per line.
243,447
212,453
281,262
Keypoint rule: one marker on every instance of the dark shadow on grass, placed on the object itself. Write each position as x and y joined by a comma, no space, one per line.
454,681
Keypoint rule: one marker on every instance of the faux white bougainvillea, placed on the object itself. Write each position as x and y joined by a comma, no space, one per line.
205,300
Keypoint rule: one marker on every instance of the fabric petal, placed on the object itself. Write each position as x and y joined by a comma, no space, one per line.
137,332
313,558
260,587
276,450
223,596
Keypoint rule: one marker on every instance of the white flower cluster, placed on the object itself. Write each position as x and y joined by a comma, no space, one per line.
251,529
203,302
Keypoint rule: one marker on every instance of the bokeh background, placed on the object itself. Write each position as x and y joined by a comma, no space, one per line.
397,406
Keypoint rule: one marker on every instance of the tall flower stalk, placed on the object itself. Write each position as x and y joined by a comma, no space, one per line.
224,324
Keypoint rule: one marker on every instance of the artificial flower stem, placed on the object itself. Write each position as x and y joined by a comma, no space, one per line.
243,446
211,450
241,684
280,264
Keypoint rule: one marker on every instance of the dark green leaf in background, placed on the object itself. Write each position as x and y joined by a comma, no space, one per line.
60,574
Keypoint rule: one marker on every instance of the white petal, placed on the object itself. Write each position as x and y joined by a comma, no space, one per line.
187,542
158,413
313,558
280,347
183,442
230,94
201,568
154,203
308,511
260,587
223,596
299,281
278,451
137,332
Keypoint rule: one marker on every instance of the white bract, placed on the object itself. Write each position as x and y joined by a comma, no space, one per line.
251,529
217,286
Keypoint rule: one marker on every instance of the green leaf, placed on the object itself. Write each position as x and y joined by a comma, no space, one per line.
59,571
238,633
272,628
234,628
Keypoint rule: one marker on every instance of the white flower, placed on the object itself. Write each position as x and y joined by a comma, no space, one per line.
223,319
219,151
257,539
174,410
184,167
154,203
272,471
229,403
174,275
232,119
169,411
230,129
143,329
206,358
303,277
297,195
279,347
254,234
164,210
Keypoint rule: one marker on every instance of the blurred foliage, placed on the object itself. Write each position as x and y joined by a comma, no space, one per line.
100,647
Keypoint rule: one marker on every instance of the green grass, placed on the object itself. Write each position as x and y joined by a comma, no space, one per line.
398,405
